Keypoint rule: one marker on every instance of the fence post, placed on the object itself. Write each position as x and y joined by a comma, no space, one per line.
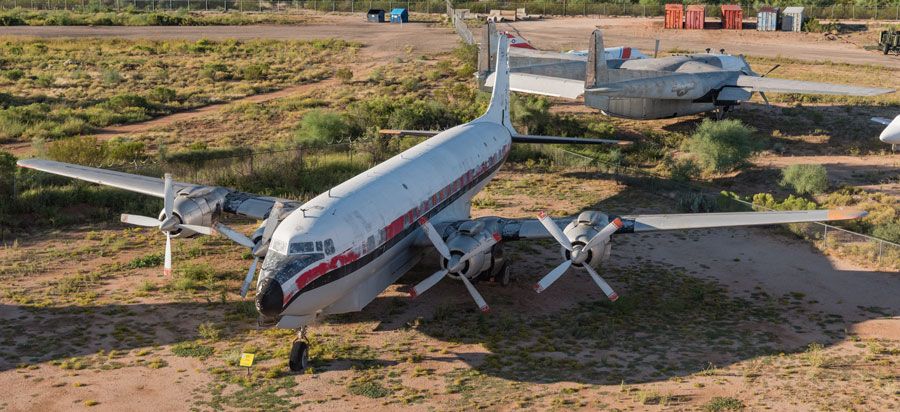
825,236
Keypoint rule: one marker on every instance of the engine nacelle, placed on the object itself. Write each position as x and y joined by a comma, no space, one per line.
197,206
583,229
467,237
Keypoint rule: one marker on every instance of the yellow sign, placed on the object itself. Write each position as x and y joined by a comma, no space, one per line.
247,359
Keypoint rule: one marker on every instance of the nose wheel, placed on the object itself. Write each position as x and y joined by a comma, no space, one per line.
299,359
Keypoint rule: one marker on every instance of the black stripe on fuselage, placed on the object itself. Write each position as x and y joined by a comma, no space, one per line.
364,260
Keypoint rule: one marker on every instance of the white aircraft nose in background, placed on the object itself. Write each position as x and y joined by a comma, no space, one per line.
891,133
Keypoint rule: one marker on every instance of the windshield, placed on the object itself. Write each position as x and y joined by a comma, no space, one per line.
284,267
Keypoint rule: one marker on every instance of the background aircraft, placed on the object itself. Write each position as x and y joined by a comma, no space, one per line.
338,251
652,88
891,133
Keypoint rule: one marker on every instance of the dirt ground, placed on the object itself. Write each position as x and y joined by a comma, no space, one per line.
777,324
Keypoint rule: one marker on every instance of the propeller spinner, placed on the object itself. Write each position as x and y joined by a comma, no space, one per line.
578,254
170,222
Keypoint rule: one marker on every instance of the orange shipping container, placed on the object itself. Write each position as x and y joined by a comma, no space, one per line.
674,16
695,17
732,17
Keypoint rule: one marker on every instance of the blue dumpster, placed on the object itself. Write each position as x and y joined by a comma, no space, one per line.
399,16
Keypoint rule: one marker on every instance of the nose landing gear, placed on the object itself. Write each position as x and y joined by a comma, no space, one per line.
299,359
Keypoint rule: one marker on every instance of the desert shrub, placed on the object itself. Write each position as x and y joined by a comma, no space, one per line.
110,77
723,403
792,202
889,231
721,146
13,74
254,72
344,74
124,150
683,170
11,20
7,180
805,179
162,95
694,202
319,127
78,150
215,71
530,114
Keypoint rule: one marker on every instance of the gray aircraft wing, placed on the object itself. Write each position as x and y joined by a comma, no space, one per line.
244,204
517,229
543,85
771,84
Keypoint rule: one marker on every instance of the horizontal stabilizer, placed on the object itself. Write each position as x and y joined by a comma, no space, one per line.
649,223
516,138
521,138
770,84
543,85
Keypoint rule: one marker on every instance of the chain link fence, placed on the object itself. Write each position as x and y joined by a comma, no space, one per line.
560,8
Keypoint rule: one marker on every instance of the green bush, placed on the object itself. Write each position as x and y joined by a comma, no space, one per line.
805,179
163,95
344,74
889,231
319,127
78,150
684,170
254,72
721,146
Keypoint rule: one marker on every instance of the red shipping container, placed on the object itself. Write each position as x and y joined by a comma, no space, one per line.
674,16
732,17
695,17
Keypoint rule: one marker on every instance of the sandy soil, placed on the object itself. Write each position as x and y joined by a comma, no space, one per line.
573,33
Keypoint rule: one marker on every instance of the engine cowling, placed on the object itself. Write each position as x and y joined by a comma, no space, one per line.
198,206
583,229
467,237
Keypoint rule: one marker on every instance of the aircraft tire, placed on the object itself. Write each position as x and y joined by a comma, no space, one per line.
505,276
299,359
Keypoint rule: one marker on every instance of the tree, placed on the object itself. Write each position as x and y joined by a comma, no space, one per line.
721,146
805,179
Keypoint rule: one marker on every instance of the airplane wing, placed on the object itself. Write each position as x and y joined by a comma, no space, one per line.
244,204
543,85
516,138
771,84
521,229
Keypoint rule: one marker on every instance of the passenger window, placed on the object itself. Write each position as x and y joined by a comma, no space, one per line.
329,247
370,243
318,246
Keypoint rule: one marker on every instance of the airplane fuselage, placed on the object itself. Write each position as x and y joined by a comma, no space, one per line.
348,244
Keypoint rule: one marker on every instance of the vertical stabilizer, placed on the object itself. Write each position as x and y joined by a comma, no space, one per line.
596,72
498,109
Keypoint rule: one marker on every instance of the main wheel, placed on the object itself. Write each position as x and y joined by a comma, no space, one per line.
299,360
505,276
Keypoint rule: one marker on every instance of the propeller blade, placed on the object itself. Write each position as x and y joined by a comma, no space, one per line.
482,305
765,99
435,238
235,236
195,228
427,283
771,70
249,277
604,234
551,277
554,230
168,195
484,246
138,220
269,228
167,266
610,293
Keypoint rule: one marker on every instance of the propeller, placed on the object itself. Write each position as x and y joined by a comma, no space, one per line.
168,224
258,248
578,254
456,263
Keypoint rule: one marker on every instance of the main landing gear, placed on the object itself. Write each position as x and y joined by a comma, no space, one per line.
299,360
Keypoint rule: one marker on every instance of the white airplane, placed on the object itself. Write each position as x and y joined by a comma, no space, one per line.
891,133
337,252
610,53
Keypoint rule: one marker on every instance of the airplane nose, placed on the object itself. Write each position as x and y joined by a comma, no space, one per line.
270,297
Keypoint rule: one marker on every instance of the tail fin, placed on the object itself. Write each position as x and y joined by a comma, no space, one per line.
486,55
596,72
498,109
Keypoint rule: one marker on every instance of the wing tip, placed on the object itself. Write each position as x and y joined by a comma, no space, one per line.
846,214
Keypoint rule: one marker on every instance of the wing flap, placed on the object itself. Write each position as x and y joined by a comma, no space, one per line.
771,84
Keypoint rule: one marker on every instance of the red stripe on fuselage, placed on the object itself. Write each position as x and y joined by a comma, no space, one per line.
394,228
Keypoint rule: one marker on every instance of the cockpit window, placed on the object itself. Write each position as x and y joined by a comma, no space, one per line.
329,247
286,267
301,247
